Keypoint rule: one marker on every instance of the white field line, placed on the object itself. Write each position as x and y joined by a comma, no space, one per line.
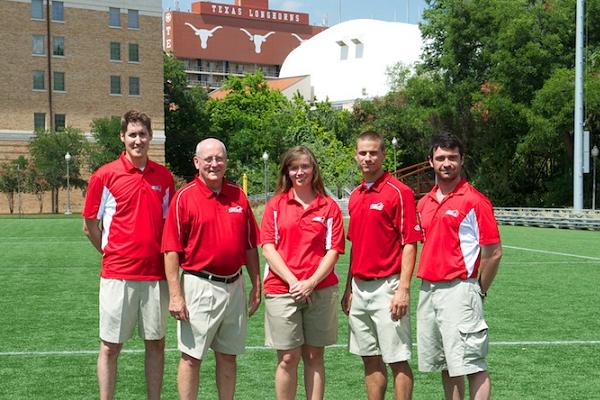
552,252
335,346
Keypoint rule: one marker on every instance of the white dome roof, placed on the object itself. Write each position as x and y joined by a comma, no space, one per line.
350,59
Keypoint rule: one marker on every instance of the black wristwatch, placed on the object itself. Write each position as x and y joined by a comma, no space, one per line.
481,292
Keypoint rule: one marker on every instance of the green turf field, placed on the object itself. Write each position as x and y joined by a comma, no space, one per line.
543,312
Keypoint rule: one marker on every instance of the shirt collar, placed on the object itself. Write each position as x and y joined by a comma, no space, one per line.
129,167
459,190
378,184
208,192
319,200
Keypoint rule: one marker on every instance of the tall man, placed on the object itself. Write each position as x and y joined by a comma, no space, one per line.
460,240
210,233
125,206
384,233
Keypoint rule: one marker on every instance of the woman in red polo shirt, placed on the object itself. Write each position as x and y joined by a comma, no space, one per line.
302,235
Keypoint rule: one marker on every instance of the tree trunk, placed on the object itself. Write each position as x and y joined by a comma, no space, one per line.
55,200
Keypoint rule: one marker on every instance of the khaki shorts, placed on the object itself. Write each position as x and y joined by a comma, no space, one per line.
218,317
451,331
371,328
289,324
125,303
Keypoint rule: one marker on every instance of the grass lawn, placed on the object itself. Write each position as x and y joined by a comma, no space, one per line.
543,312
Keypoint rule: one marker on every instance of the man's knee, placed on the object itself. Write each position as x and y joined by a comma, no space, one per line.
401,367
155,346
110,350
189,361
289,358
373,364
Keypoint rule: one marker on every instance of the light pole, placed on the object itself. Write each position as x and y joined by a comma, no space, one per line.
19,209
595,153
265,157
68,160
394,145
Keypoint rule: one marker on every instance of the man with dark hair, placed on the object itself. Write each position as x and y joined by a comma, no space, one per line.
459,260
384,233
125,206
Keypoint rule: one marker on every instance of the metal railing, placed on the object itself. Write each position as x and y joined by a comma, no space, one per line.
549,217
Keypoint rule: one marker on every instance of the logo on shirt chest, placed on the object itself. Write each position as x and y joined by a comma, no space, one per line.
376,206
235,210
320,220
157,188
452,213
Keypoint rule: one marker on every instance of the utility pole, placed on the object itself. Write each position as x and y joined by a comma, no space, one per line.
578,128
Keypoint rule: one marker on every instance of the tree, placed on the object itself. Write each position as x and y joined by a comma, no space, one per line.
11,179
108,145
490,73
48,151
186,119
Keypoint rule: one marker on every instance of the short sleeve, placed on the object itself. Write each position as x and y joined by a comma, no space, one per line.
488,227
175,223
336,240
268,230
253,232
93,198
406,218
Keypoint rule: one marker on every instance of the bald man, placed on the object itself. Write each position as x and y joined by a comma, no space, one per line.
210,232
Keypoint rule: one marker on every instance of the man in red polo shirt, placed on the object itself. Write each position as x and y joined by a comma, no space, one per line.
210,233
460,243
384,233
125,205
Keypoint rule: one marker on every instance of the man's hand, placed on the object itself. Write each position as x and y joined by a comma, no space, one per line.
178,309
254,300
347,301
400,304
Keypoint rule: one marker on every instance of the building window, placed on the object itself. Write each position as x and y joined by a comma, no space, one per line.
58,45
358,48
133,19
134,52
343,49
134,86
39,121
37,9
59,122
58,81
115,51
58,11
38,47
38,80
115,84
114,17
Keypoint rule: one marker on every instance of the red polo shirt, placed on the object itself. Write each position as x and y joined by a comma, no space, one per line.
382,220
131,204
302,237
453,233
211,232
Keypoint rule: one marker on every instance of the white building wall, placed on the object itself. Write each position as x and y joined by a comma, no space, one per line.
349,61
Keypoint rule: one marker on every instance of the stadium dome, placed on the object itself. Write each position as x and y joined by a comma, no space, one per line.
349,60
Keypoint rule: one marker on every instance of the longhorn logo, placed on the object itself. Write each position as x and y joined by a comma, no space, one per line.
298,37
203,34
257,39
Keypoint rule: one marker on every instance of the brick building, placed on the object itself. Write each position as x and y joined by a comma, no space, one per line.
215,40
90,59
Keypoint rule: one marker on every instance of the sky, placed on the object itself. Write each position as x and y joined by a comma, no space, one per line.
328,11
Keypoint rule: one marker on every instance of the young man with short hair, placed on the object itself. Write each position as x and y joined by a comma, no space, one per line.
125,206
384,233
459,260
